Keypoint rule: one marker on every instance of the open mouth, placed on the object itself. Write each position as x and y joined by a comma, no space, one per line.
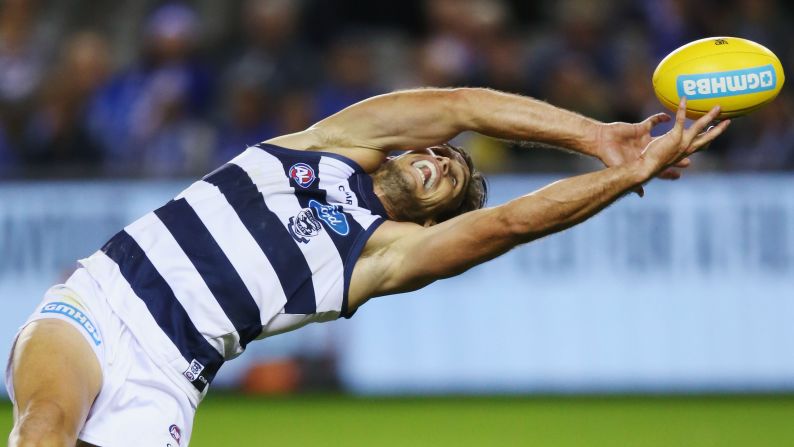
427,171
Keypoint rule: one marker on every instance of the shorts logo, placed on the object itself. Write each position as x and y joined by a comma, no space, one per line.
176,433
193,371
332,216
303,226
76,315
727,83
302,174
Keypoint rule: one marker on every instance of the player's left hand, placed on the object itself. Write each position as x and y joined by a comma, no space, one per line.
619,143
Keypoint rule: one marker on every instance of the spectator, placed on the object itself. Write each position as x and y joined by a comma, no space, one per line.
8,156
24,51
504,63
272,47
247,117
460,36
296,111
151,117
57,134
349,76
764,140
667,24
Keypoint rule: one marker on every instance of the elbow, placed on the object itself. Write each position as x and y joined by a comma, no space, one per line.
526,225
468,91
515,227
465,97
463,103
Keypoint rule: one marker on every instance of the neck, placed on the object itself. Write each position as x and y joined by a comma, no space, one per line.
384,198
395,205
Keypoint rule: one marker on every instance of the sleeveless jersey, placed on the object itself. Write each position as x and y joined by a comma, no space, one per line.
263,245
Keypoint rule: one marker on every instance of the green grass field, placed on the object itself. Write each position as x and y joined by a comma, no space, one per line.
230,420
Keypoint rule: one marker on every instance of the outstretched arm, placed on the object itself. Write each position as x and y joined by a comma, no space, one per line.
416,119
413,257
420,118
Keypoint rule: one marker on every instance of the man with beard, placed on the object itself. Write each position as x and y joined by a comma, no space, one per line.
302,228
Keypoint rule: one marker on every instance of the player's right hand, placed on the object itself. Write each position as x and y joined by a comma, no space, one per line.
679,143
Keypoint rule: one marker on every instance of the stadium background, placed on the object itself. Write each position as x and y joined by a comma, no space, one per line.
663,321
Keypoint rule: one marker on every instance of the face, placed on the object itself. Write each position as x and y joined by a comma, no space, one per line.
423,184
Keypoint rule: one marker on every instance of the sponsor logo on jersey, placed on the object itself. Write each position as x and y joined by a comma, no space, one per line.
332,216
193,371
302,174
727,83
176,433
348,194
76,315
304,225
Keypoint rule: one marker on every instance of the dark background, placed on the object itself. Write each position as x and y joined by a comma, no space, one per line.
170,89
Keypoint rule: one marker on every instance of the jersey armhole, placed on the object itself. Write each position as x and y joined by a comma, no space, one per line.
350,263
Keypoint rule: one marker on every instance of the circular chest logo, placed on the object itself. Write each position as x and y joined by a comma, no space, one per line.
302,174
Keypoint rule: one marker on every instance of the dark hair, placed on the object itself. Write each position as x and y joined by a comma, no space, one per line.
476,194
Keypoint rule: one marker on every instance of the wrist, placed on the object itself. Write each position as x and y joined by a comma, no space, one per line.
642,170
592,141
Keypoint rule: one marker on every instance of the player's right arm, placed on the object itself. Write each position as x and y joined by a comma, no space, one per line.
416,119
403,257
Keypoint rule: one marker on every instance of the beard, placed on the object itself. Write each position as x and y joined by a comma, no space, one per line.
398,195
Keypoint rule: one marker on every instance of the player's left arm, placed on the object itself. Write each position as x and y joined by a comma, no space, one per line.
416,119
407,256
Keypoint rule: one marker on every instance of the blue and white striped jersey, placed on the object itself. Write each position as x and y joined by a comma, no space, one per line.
263,245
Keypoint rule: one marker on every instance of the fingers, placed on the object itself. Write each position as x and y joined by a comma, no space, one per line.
669,174
701,123
653,120
708,136
674,148
680,116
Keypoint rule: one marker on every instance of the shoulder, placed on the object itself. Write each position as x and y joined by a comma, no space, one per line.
402,257
377,260
378,253
386,234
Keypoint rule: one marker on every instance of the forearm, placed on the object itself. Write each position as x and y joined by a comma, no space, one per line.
521,118
571,201
476,237
568,202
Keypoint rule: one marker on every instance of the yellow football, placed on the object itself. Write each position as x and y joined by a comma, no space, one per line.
738,74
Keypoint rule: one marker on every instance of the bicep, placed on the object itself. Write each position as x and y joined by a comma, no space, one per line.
424,255
316,139
404,120
368,130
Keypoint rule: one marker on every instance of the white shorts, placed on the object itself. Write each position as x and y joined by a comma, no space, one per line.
138,404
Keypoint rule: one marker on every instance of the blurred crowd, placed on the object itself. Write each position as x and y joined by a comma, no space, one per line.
148,88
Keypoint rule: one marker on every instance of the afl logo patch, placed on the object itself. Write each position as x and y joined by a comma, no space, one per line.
302,174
